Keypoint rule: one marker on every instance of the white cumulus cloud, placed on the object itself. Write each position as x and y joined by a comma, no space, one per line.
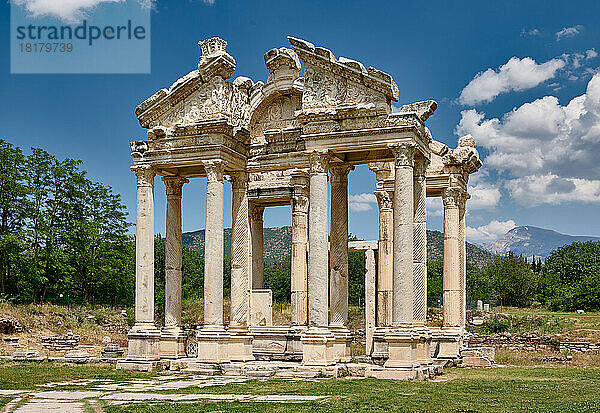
69,11
516,74
591,53
568,32
361,202
490,232
484,195
546,152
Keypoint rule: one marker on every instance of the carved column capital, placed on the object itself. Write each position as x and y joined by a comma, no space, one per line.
300,204
145,175
319,162
420,166
452,197
239,181
174,185
214,169
256,213
339,172
404,154
384,199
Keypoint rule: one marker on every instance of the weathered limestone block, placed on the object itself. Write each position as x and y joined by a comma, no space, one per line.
261,308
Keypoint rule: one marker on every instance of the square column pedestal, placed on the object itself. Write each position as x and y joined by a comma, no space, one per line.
240,345
213,344
143,349
317,347
423,352
172,343
450,342
402,348
342,344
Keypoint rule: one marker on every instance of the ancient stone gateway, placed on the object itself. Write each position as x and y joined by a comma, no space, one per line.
279,143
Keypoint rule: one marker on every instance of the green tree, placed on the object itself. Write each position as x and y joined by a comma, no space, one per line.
13,208
278,279
435,271
571,277
511,281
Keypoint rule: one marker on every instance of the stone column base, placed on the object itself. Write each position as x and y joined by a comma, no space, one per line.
240,345
317,347
342,345
143,342
172,343
402,348
450,342
423,346
380,345
213,344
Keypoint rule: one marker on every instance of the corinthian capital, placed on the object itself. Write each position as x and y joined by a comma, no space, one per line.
214,169
174,185
239,180
319,162
339,172
421,164
452,197
300,204
384,199
404,154
145,175
256,213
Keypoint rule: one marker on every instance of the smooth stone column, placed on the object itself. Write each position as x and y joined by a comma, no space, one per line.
172,337
212,338
317,342
420,260
338,253
451,327
240,348
258,259
402,340
144,337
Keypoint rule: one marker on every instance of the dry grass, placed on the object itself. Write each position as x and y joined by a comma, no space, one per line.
92,325
541,358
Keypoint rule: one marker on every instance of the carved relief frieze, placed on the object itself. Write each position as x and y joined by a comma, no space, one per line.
276,114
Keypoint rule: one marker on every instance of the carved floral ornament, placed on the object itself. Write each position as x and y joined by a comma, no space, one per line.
454,197
145,175
300,204
319,162
256,213
404,154
239,180
339,172
174,185
384,199
214,170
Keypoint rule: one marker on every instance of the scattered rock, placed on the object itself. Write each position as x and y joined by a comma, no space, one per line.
26,354
78,356
112,350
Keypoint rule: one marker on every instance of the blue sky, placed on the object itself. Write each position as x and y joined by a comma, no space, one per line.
519,77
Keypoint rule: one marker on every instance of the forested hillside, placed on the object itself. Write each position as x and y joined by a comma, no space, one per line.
278,241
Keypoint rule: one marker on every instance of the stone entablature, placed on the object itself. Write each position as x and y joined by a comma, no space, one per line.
284,142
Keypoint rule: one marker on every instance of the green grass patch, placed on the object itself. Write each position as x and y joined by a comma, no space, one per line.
490,390
28,375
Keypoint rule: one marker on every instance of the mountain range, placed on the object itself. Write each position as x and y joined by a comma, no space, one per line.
277,244
532,241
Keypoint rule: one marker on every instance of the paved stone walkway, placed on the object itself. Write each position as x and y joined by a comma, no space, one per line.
50,398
